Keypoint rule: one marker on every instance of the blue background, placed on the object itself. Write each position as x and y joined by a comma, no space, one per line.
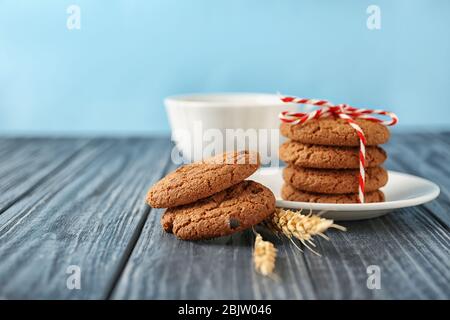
112,75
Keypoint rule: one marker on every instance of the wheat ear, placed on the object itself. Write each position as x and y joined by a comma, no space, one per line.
302,227
264,255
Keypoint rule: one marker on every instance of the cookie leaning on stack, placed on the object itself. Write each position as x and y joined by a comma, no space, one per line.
323,161
210,198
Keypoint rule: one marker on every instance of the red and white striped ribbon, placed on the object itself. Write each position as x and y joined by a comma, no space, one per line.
345,112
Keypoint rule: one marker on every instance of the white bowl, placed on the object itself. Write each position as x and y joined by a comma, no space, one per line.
199,123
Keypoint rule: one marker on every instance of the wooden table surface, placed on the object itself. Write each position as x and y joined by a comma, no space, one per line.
80,202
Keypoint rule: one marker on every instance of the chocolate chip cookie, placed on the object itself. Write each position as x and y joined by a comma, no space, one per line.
290,193
202,179
335,132
328,157
234,209
332,181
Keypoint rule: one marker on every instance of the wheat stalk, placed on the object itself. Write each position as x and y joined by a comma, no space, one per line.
264,255
302,227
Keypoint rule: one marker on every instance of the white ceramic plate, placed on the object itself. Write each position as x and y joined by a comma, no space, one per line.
402,190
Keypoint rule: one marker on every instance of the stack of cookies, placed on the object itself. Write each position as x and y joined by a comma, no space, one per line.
211,198
322,159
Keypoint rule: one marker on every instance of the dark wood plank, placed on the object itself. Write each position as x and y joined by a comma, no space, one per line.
8,145
24,163
88,214
162,267
426,155
89,211
410,246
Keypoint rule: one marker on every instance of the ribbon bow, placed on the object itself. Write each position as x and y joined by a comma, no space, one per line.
343,111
